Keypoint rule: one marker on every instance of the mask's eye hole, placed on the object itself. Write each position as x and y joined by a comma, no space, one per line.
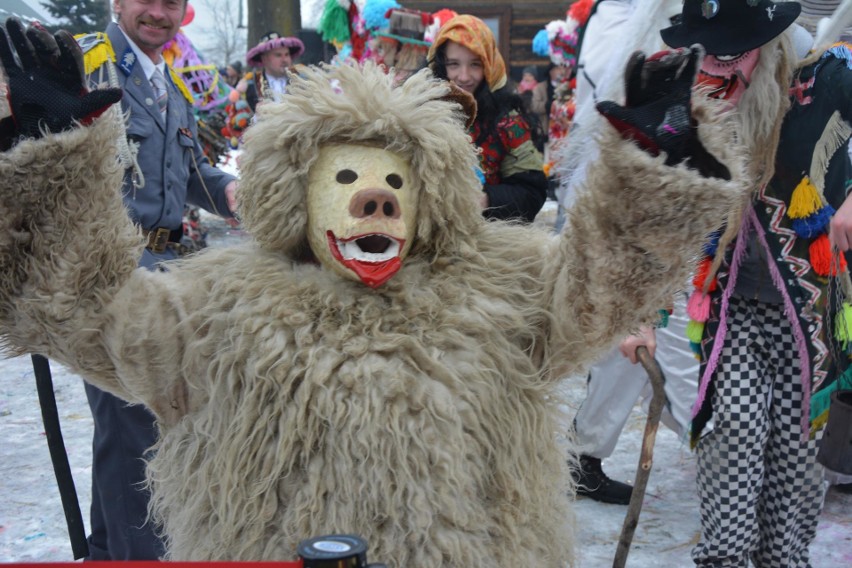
394,181
727,58
346,176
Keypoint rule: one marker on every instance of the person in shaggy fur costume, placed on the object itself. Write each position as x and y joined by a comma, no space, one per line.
377,360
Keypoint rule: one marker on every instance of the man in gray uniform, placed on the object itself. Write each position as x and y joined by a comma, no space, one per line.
165,170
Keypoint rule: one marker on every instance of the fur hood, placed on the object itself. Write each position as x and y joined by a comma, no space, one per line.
348,104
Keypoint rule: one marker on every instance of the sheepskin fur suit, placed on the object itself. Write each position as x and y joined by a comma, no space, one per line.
293,402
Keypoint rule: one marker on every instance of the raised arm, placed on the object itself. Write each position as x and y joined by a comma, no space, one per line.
68,251
651,199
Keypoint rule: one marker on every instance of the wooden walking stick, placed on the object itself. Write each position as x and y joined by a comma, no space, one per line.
646,458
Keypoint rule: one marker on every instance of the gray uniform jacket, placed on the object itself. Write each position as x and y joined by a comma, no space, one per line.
169,156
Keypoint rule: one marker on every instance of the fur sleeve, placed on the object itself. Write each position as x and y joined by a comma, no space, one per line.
633,238
67,247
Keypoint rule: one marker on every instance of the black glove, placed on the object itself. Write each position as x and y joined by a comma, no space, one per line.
48,89
657,113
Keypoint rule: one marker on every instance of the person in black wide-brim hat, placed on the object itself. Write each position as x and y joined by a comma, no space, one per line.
730,27
731,32
767,296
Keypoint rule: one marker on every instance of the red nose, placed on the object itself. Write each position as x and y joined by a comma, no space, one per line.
378,203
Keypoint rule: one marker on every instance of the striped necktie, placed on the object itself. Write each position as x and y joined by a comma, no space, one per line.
158,82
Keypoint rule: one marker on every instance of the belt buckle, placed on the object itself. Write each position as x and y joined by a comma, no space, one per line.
158,240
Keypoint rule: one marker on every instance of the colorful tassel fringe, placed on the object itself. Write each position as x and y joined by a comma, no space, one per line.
99,53
805,201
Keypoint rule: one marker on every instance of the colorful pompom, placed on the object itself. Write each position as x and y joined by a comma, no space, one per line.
541,44
823,261
663,320
375,13
444,15
712,244
439,18
698,306
580,10
694,331
820,255
805,201
812,225
843,325
334,23
701,275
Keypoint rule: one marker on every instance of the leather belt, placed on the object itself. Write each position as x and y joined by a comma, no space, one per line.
159,238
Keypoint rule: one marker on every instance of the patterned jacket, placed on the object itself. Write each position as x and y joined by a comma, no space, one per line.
513,170
812,170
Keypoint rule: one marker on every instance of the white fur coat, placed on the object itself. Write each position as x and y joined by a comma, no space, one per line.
294,403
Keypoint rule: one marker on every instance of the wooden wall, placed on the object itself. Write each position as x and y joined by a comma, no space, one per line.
519,22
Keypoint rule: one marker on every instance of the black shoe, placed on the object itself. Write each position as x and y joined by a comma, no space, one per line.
593,483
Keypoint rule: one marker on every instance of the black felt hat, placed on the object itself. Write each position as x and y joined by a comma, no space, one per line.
730,27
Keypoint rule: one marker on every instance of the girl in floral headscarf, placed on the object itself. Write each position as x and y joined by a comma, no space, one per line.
515,187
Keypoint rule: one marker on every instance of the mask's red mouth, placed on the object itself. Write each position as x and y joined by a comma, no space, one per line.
373,257
719,87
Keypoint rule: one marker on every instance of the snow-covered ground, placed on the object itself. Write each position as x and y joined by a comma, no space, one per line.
32,525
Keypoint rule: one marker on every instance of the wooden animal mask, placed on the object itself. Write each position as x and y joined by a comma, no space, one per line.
362,207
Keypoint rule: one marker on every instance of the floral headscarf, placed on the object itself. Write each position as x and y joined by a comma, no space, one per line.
474,34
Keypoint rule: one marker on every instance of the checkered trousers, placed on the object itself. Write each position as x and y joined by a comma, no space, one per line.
760,486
